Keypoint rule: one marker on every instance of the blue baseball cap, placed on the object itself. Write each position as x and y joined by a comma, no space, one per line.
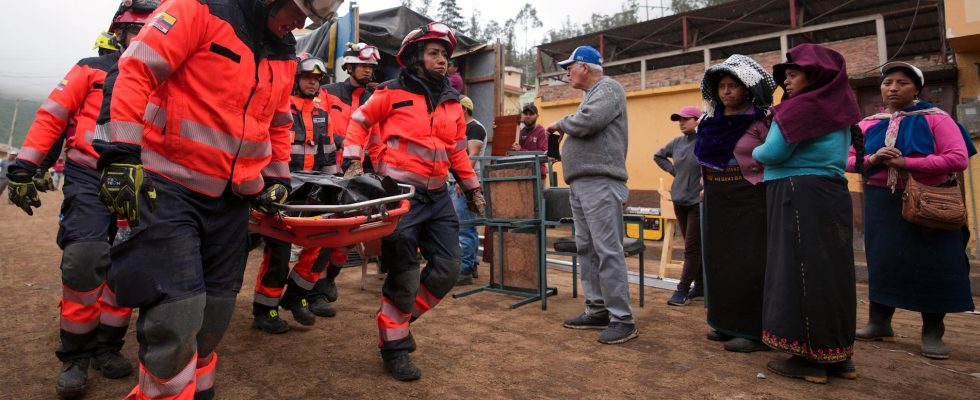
586,54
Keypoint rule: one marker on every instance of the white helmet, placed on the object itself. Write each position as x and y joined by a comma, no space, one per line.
360,53
320,11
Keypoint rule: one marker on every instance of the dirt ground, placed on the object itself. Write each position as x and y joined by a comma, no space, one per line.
469,347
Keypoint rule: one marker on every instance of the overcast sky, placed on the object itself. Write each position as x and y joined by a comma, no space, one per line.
42,39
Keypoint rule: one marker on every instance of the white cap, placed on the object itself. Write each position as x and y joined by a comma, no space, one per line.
900,64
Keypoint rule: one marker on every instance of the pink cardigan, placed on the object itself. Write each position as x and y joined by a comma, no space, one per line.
950,155
753,137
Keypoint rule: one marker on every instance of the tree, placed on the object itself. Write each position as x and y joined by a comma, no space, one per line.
527,18
421,8
473,30
680,6
450,14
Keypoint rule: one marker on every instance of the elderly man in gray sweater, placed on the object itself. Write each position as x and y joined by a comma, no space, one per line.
594,157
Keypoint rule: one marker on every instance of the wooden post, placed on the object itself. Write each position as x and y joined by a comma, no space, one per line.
880,35
792,15
684,30
643,74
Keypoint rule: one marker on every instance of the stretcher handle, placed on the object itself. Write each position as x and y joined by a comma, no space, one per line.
408,191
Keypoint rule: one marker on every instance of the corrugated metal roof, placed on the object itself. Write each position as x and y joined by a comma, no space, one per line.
745,18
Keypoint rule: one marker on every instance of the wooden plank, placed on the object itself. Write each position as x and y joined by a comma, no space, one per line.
504,134
520,258
511,199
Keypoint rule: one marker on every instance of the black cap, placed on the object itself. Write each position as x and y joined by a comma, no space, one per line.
530,109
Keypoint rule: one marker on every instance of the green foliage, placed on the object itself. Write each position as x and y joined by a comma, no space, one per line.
451,14
680,6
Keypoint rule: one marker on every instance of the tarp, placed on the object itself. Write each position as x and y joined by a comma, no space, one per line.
384,29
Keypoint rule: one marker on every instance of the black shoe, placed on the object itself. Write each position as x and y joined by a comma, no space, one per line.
618,332
716,336
301,312
320,307
696,294
799,367
679,298
586,321
879,325
402,368
742,345
270,322
475,273
73,379
933,329
464,279
844,369
112,365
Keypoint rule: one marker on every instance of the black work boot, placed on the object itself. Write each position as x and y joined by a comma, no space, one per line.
270,322
717,336
799,367
933,329
301,312
112,364
73,379
402,368
320,307
879,325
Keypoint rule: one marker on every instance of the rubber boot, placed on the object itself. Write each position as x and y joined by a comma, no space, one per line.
402,368
73,379
933,329
879,325
844,369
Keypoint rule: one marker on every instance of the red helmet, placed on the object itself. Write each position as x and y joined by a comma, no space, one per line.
132,12
432,31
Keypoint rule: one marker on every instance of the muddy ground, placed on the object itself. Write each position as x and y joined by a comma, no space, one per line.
472,347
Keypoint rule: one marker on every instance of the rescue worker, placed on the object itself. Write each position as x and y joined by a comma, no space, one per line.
312,150
344,97
424,132
106,43
199,127
93,325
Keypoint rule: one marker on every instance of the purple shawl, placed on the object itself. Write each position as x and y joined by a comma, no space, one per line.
826,105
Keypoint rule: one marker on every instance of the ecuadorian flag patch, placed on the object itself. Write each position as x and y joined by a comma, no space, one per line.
164,21
61,85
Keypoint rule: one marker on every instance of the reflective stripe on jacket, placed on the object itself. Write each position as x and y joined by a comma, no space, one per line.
214,93
423,139
310,127
77,98
344,98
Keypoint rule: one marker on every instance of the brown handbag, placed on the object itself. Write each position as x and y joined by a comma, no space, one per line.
933,207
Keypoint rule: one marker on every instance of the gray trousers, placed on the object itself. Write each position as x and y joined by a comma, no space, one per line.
597,206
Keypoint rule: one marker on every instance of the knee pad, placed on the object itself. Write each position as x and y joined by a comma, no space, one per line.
217,316
84,265
169,334
440,275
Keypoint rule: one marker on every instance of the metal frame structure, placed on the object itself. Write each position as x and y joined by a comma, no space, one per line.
499,285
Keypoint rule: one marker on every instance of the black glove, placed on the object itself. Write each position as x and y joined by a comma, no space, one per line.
120,190
43,181
275,193
23,193
475,202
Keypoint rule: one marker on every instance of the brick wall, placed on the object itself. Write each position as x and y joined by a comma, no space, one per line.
860,53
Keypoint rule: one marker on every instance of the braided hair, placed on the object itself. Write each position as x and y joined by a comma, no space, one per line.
857,142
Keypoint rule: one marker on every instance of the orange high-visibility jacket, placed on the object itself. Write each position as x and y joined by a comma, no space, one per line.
423,139
214,94
78,97
310,127
344,98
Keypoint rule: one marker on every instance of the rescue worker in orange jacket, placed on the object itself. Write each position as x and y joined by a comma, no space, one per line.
199,122
93,325
312,150
424,132
344,97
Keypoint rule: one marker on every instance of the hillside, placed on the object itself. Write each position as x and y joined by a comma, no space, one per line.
25,116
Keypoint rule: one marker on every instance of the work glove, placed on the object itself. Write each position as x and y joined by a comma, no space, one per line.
23,193
120,190
43,181
275,193
354,169
475,202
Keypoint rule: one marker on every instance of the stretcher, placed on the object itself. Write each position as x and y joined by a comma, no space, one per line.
332,226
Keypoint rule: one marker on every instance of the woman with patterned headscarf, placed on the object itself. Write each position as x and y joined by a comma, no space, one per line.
809,306
737,95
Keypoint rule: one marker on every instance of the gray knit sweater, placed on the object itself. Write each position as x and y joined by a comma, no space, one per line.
597,134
